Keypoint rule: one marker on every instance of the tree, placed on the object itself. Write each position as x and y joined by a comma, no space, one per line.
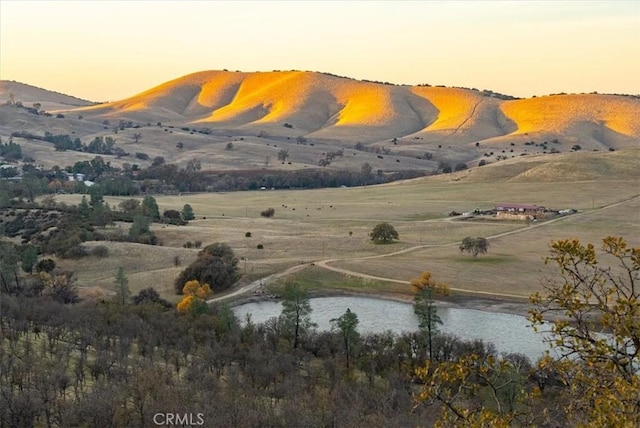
347,324
474,246
601,372
296,311
83,207
45,265
193,301
444,167
383,233
454,383
283,154
137,136
123,294
96,196
129,205
216,265
140,226
29,258
424,306
150,208
9,279
187,212
148,296
365,171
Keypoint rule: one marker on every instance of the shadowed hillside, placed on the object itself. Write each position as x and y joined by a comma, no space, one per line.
28,95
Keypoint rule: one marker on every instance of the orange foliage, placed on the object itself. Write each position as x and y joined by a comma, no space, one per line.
426,281
193,292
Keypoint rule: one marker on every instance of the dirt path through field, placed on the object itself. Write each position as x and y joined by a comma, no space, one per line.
326,263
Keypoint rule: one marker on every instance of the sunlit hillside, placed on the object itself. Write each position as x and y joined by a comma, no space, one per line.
319,105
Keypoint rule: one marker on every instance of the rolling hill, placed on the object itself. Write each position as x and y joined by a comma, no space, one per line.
325,106
259,111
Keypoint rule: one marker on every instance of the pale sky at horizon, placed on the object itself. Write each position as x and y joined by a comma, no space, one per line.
110,50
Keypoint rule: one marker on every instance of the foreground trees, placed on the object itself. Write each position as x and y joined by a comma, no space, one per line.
296,312
424,306
592,377
598,338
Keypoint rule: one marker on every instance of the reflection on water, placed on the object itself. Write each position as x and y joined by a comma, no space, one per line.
509,333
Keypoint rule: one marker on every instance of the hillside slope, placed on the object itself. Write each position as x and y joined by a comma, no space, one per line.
324,106
28,95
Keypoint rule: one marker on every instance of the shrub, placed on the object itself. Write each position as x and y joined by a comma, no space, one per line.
75,252
268,213
260,247
100,251
177,261
188,244
247,235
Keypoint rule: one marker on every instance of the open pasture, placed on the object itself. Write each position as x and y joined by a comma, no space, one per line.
314,225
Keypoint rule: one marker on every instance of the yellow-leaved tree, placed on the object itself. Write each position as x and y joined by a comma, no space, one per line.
591,313
424,307
194,300
594,315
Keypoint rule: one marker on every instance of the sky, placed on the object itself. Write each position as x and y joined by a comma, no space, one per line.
110,50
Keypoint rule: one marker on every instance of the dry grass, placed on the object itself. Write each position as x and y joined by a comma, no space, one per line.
313,225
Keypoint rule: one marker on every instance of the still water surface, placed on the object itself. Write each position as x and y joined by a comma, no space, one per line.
509,333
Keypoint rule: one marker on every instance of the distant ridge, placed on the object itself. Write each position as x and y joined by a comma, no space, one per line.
30,94
323,105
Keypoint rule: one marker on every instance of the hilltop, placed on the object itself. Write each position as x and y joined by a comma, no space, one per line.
418,125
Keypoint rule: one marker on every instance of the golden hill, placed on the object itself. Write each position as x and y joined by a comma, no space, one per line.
319,105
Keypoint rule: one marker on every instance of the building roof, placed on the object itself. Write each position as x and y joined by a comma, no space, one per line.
508,206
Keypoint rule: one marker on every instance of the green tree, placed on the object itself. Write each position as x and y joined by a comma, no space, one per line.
123,294
29,258
424,306
215,265
296,311
32,186
150,208
96,196
347,324
383,233
83,207
474,246
139,227
187,212
9,279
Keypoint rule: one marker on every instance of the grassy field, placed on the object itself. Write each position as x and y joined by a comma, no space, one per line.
314,225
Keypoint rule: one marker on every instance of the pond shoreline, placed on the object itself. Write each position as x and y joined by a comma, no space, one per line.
461,301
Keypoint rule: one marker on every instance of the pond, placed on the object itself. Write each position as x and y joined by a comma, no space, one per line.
509,333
